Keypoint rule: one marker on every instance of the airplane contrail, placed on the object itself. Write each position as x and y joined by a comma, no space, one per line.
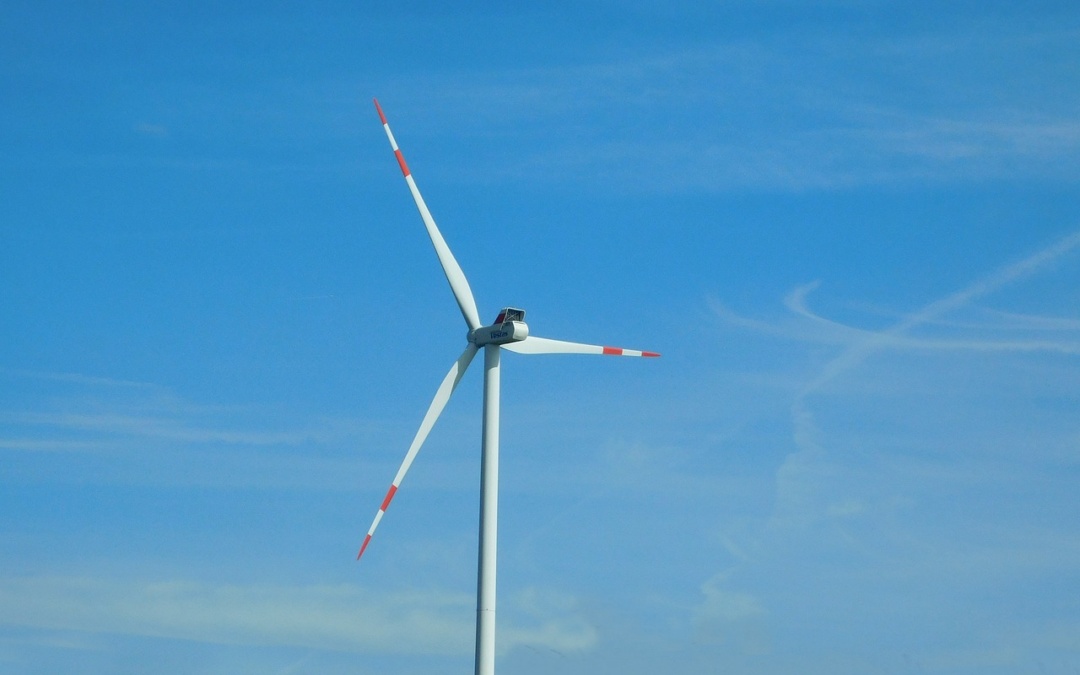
859,352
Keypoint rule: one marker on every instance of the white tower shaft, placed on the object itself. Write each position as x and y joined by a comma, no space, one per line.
489,517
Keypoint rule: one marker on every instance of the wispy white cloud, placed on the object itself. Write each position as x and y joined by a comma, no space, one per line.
1014,321
791,115
546,619
838,484
79,378
152,130
860,343
797,474
341,618
48,445
863,349
729,617
1045,333
156,427
141,433
816,113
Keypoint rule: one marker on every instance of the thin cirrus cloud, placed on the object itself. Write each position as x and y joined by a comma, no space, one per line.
342,617
997,280
728,116
154,427
115,410
861,343
815,487
151,130
864,344
707,119
110,431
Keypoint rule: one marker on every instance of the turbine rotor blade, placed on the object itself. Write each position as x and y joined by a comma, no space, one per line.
539,345
458,283
442,395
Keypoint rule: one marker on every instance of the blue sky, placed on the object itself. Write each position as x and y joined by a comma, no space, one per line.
852,229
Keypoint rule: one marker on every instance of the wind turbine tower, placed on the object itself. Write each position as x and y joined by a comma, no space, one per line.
509,332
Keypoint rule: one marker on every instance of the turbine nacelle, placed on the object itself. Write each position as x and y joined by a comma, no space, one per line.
509,327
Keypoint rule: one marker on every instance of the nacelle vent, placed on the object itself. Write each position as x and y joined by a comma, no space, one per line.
510,314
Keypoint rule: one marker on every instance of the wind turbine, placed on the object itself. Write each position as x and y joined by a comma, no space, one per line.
510,332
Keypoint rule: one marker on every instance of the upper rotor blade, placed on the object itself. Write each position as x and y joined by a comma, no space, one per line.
539,345
458,283
442,395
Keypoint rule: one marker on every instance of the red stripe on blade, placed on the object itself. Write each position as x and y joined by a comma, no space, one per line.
389,496
363,546
612,351
401,161
650,354
378,107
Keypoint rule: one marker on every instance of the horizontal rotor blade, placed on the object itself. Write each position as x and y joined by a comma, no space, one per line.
458,283
442,395
539,345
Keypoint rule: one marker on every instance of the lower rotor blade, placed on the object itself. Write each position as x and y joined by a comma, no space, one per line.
442,395
539,345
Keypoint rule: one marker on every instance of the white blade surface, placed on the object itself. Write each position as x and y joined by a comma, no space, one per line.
458,283
447,387
539,345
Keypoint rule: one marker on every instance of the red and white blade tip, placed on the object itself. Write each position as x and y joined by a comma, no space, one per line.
378,107
539,345
442,395
367,540
378,516
619,351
